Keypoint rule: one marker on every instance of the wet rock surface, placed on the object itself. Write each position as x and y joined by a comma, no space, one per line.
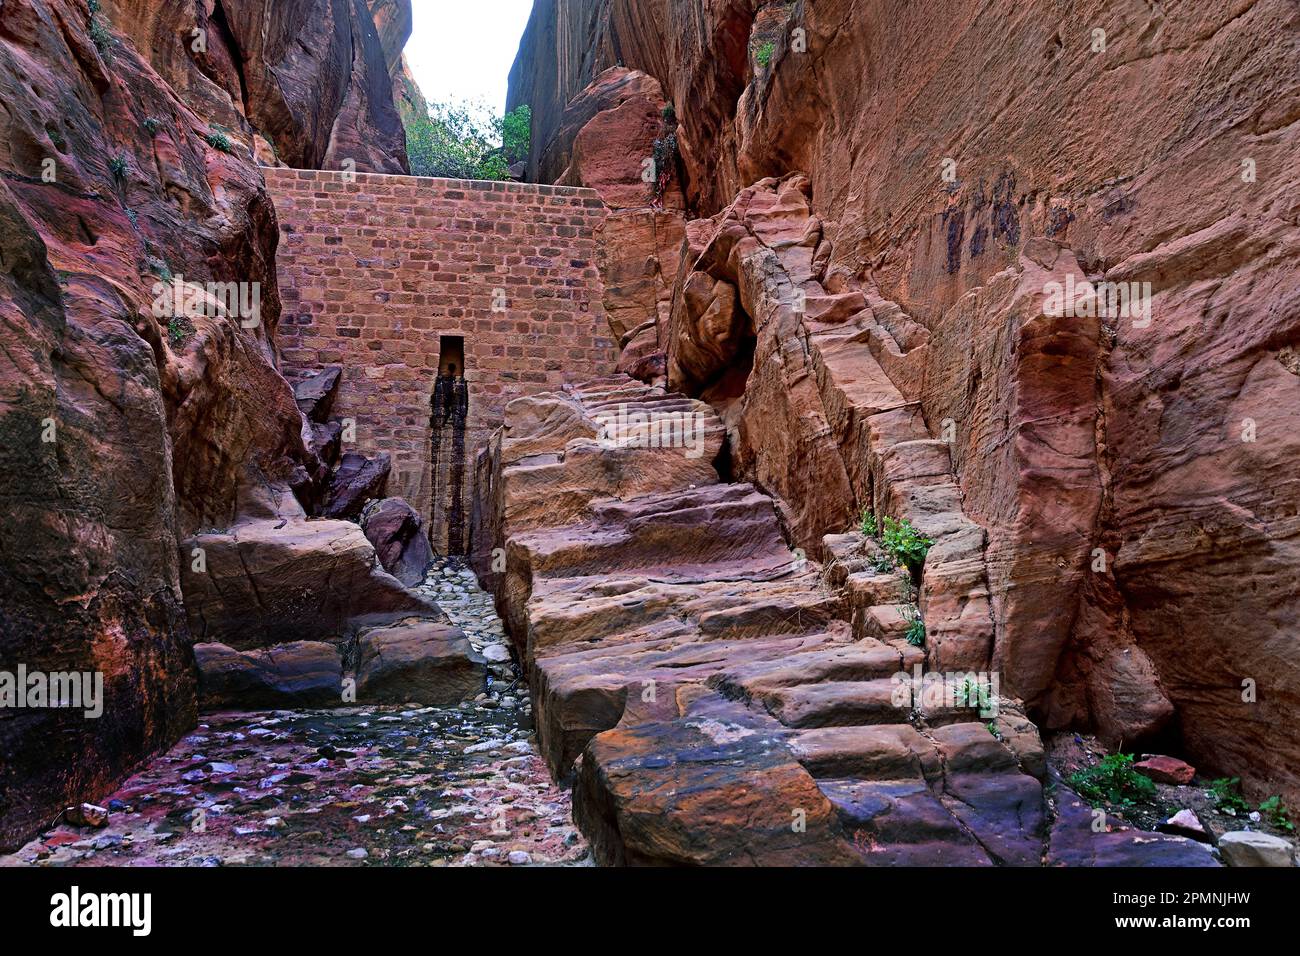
395,785
362,786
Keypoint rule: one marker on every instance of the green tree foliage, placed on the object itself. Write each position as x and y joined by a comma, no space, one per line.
467,141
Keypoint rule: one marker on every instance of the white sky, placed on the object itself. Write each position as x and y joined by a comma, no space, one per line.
463,49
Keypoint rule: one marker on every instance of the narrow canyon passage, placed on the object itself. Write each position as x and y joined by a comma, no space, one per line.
784,434
378,785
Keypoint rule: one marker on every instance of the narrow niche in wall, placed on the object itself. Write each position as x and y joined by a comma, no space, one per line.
451,354
450,409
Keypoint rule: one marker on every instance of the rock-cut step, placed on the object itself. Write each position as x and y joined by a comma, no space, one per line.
714,532
857,661
836,704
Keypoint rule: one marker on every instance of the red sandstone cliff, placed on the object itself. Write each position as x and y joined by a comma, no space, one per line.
1135,482
308,77
126,162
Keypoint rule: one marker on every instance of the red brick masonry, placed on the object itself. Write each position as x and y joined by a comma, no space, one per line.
374,270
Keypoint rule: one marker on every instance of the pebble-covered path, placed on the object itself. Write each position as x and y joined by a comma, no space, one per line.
358,786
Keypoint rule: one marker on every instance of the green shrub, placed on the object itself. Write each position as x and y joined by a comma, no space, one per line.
117,166
152,125
100,36
915,626
665,158
179,330
1113,781
906,545
1275,812
868,524
219,141
764,54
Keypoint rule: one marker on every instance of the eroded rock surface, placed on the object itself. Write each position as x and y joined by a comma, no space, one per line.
1132,469
718,697
303,82
268,581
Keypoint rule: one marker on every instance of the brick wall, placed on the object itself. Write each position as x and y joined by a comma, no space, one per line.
374,271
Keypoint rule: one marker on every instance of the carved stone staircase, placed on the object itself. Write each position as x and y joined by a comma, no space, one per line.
715,697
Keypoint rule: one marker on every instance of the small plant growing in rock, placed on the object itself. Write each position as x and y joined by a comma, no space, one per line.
1275,812
100,36
915,626
218,140
868,524
179,330
763,55
153,125
117,166
992,728
906,545
1227,796
160,268
1113,781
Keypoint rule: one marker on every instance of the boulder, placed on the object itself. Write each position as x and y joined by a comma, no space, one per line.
358,480
1250,848
1163,769
397,533
325,441
297,674
1186,823
267,581
711,788
423,662
315,395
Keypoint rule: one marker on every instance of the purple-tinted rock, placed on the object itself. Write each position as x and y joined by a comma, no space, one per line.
397,533
358,480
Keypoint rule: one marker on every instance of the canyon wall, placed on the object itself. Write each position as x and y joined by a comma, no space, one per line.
126,167
1132,469
306,83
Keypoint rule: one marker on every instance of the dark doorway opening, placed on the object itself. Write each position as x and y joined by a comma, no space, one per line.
451,355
